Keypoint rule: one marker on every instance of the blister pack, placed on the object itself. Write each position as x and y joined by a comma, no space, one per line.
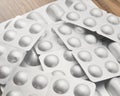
62,61
75,37
22,33
91,18
66,86
113,87
49,42
49,13
27,82
10,57
97,62
100,87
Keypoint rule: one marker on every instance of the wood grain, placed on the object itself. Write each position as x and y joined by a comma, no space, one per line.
12,8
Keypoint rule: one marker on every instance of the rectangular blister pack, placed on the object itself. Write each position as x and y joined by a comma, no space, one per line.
81,14
66,86
97,62
49,42
10,57
22,33
75,37
94,19
48,14
62,62
28,82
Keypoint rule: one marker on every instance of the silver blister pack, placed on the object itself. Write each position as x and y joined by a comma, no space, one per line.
75,37
10,57
49,42
92,18
97,62
66,86
48,14
27,82
22,33
62,62
101,89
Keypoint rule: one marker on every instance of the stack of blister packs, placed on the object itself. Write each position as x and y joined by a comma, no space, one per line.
65,48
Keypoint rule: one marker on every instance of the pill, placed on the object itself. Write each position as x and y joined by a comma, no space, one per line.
107,29
2,50
68,55
91,39
61,86
80,7
73,16
96,12
90,22
20,23
14,93
113,19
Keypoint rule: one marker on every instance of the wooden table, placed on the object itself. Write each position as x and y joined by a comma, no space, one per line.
12,8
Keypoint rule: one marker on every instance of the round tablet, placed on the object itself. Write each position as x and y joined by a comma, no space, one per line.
107,29
113,19
58,72
14,56
25,41
35,28
84,56
9,35
74,42
80,30
14,93
82,90
91,39
80,7
112,66
77,71
96,12
65,30
21,23
95,71
44,45
101,52
4,71
51,60
73,16
90,22
40,82
61,86
20,78
68,55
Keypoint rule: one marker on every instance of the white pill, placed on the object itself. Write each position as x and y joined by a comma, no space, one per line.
107,29
74,42
25,41
61,86
84,56
9,35
73,16
77,71
20,23
51,60
113,19
96,12
80,30
2,50
90,22
14,93
82,90
55,11
20,78
4,71
95,71
35,28
40,82
68,55
44,45
65,30
91,39
80,7
14,56
112,66
101,52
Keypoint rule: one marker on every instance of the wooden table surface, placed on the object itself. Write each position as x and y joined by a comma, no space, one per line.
12,8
